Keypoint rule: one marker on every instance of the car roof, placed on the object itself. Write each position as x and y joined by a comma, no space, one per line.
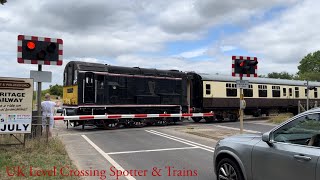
316,109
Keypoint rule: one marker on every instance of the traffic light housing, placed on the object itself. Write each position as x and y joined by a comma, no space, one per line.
244,66
39,50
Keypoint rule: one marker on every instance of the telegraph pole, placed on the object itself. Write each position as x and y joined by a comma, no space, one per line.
307,95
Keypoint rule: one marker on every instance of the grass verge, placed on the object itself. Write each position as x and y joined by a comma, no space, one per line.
280,118
37,160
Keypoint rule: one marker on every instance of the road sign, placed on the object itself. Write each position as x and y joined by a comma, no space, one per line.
244,84
40,50
41,76
16,96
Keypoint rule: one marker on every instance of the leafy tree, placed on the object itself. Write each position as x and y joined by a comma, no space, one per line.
309,68
281,75
56,90
3,1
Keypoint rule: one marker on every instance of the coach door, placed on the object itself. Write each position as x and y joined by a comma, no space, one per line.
89,88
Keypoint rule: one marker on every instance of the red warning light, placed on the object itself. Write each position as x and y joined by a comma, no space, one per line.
31,45
242,64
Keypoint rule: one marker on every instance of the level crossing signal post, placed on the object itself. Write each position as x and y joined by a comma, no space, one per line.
243,66
40,51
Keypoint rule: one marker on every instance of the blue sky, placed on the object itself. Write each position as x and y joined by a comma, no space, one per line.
187,35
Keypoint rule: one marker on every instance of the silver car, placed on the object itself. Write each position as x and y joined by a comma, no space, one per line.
290,151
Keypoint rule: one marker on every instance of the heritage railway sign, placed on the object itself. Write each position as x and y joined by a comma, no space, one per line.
15,105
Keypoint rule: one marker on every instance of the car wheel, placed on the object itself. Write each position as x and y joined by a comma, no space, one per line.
228,170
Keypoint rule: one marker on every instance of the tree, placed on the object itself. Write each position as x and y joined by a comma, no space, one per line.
282,75
56,90
309,68
3,1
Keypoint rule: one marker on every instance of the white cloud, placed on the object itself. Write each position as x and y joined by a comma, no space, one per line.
120,31
227,48
282,42
193,53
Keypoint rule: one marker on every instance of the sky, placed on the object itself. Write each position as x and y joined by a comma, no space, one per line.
187,35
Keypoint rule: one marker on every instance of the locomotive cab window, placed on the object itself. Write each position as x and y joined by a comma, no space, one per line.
100,82
231,90
262,90
316,93
208,89
75,77
248,92
89,80
275,91
65,79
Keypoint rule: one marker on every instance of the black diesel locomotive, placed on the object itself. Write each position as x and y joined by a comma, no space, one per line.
98,89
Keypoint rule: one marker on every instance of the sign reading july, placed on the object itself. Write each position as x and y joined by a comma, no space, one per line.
16,105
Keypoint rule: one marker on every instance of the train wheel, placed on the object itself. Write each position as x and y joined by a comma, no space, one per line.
161,122
219,118
138,123
233,118
110,124
209,119
197,119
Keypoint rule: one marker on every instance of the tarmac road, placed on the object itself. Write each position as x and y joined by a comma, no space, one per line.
148,153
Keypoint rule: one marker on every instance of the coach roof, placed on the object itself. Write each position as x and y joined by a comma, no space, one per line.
224,78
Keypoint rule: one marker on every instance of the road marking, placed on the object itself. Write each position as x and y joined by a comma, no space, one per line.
232,128
191,143
152,150
108,158
197,144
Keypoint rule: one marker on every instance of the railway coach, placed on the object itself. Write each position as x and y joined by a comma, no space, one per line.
99,89
220,94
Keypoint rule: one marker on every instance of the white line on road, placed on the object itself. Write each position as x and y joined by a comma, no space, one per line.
197,144
152,150
113,162
210,149
227,127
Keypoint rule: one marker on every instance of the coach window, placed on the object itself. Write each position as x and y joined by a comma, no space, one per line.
305,92
316,93
290,91
208,89
248,92
296,91
231,89
284,90
275,91
262,90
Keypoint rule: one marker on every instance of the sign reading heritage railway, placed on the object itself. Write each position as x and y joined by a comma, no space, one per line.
15,105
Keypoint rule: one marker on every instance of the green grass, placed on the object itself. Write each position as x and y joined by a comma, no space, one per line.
280,118
37,154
